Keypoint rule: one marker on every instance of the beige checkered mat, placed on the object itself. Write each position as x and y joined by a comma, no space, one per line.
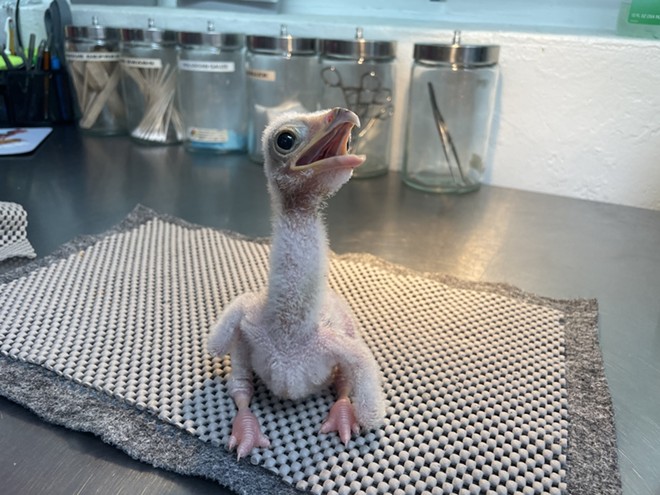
481,380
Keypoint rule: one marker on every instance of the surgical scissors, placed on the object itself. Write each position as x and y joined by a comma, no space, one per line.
370,101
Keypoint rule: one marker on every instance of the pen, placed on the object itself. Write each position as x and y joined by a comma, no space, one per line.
40,55
61,95
30,53
46,69
21,54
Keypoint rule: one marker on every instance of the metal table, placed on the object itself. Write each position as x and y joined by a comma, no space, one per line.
549,245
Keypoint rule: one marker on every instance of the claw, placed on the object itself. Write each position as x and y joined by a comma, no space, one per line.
246,434
341,419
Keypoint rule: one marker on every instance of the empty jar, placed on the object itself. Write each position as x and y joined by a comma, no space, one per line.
359,74
149,63
211,90
92,55
282,77
452,99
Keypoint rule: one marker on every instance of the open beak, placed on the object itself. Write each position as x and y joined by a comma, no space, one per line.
329,148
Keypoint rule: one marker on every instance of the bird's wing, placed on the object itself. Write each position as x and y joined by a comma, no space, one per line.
225,332
341,315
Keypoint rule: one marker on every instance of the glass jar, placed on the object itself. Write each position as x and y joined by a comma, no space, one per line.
452,98
359,75
211,90
282,77
92,55
149,85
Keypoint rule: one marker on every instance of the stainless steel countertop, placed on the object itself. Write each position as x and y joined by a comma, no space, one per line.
555,247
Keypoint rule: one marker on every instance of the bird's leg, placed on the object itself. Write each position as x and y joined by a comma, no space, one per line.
245,433
341,417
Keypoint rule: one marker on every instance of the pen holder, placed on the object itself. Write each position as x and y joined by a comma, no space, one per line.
35,97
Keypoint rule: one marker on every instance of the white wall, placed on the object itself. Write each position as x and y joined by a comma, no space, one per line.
578,115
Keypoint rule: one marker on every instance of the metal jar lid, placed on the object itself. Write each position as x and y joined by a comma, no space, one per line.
227,41
284,44
358,49
150,35
93,32
457,54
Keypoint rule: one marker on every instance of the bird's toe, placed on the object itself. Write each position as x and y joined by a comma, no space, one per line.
246,434
341,419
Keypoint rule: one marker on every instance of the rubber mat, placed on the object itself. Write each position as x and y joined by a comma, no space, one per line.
13,232
483,382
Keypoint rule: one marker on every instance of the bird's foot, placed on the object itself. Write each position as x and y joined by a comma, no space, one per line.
246,433
341,419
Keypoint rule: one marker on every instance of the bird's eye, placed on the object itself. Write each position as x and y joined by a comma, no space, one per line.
286,141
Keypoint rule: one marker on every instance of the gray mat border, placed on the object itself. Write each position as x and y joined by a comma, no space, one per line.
592,453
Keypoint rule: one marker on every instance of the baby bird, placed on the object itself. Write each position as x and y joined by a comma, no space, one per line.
298,335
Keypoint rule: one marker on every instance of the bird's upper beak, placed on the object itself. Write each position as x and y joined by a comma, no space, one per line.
329,147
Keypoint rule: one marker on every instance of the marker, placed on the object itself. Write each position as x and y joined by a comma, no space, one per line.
11,36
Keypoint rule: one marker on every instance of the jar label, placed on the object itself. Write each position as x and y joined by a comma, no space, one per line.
93,56
203,66
142,63
644,12
262,75
202,135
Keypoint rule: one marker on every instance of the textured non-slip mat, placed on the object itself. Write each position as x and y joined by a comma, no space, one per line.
489,389
13,237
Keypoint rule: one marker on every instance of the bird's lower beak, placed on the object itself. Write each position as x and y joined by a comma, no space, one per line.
329,149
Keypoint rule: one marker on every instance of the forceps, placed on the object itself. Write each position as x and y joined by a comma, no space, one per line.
445,137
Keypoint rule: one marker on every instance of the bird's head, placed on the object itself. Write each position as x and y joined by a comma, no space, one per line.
307,156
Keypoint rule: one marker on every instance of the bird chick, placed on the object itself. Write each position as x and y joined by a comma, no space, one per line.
298,335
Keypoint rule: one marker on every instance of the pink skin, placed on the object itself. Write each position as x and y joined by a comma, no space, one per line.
246,432
341,417
298,335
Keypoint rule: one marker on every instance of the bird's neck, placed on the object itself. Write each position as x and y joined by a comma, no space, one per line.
298,268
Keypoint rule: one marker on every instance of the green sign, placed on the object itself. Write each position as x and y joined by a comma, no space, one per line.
644,12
